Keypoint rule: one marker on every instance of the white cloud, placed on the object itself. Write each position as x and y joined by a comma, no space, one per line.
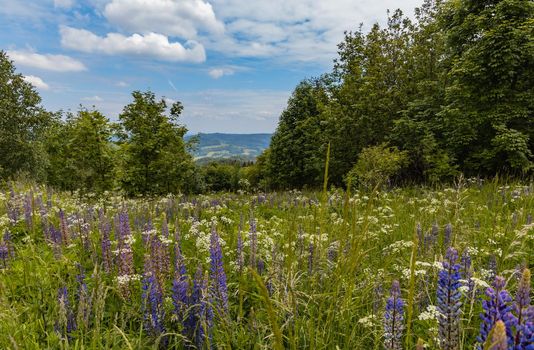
122,84
181,18
37,82
94,98
57,63
64,3
150,45
217,73
294,31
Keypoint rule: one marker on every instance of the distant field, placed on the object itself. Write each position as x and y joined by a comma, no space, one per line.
225,146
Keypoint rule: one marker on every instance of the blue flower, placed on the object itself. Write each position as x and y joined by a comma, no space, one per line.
394,319
449,302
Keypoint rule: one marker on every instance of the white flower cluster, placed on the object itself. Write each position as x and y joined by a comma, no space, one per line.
125,279
430,314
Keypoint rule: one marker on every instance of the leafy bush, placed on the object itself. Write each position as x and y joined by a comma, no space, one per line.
376,165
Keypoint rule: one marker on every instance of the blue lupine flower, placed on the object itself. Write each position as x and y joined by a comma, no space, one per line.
28,211
180,285
153,310
449,302
447,236
200,316
107,258
66,323
523,311
253,237
218,288
467,272
394,319
527,337
496,307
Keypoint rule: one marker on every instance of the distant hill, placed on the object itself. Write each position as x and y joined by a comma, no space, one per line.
230,146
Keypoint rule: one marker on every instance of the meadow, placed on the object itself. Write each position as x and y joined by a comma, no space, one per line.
419,267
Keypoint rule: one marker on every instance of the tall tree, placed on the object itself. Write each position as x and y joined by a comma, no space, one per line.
488,114
155,160
22,123
296,158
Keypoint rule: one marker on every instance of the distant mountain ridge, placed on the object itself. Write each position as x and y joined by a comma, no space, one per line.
228,146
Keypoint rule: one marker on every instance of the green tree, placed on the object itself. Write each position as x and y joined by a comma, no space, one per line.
155,160
372,85
22,123
488,114
295,156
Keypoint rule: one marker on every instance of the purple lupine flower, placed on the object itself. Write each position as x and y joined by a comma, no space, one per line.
153,310
105,245
394,319
160,258
199,320
420,237
498,339
218,288
28,211
66,323
124,225
44,217
165,228
63,227
527,337
180,284
4,253
449,303
447,236
260,266
523,310
253,237
467,272
83,298
496,307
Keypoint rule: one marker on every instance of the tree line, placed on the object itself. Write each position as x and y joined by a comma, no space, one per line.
417,100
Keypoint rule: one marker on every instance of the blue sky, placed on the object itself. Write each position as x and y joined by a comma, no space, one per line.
232,63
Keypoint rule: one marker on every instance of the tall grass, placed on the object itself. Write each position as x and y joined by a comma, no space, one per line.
319,281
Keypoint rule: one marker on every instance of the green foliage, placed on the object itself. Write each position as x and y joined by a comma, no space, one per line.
489,98
219,176
22,124
376,165
295,159
154,156
452,88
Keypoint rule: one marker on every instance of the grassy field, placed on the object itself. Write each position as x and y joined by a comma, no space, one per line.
282,270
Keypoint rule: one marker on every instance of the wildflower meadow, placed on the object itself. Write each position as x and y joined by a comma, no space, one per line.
420,268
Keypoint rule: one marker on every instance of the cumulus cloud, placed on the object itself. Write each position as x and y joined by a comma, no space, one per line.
304,30
181,18
122,84
217,73
149,45
57,63
37,82
63,3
